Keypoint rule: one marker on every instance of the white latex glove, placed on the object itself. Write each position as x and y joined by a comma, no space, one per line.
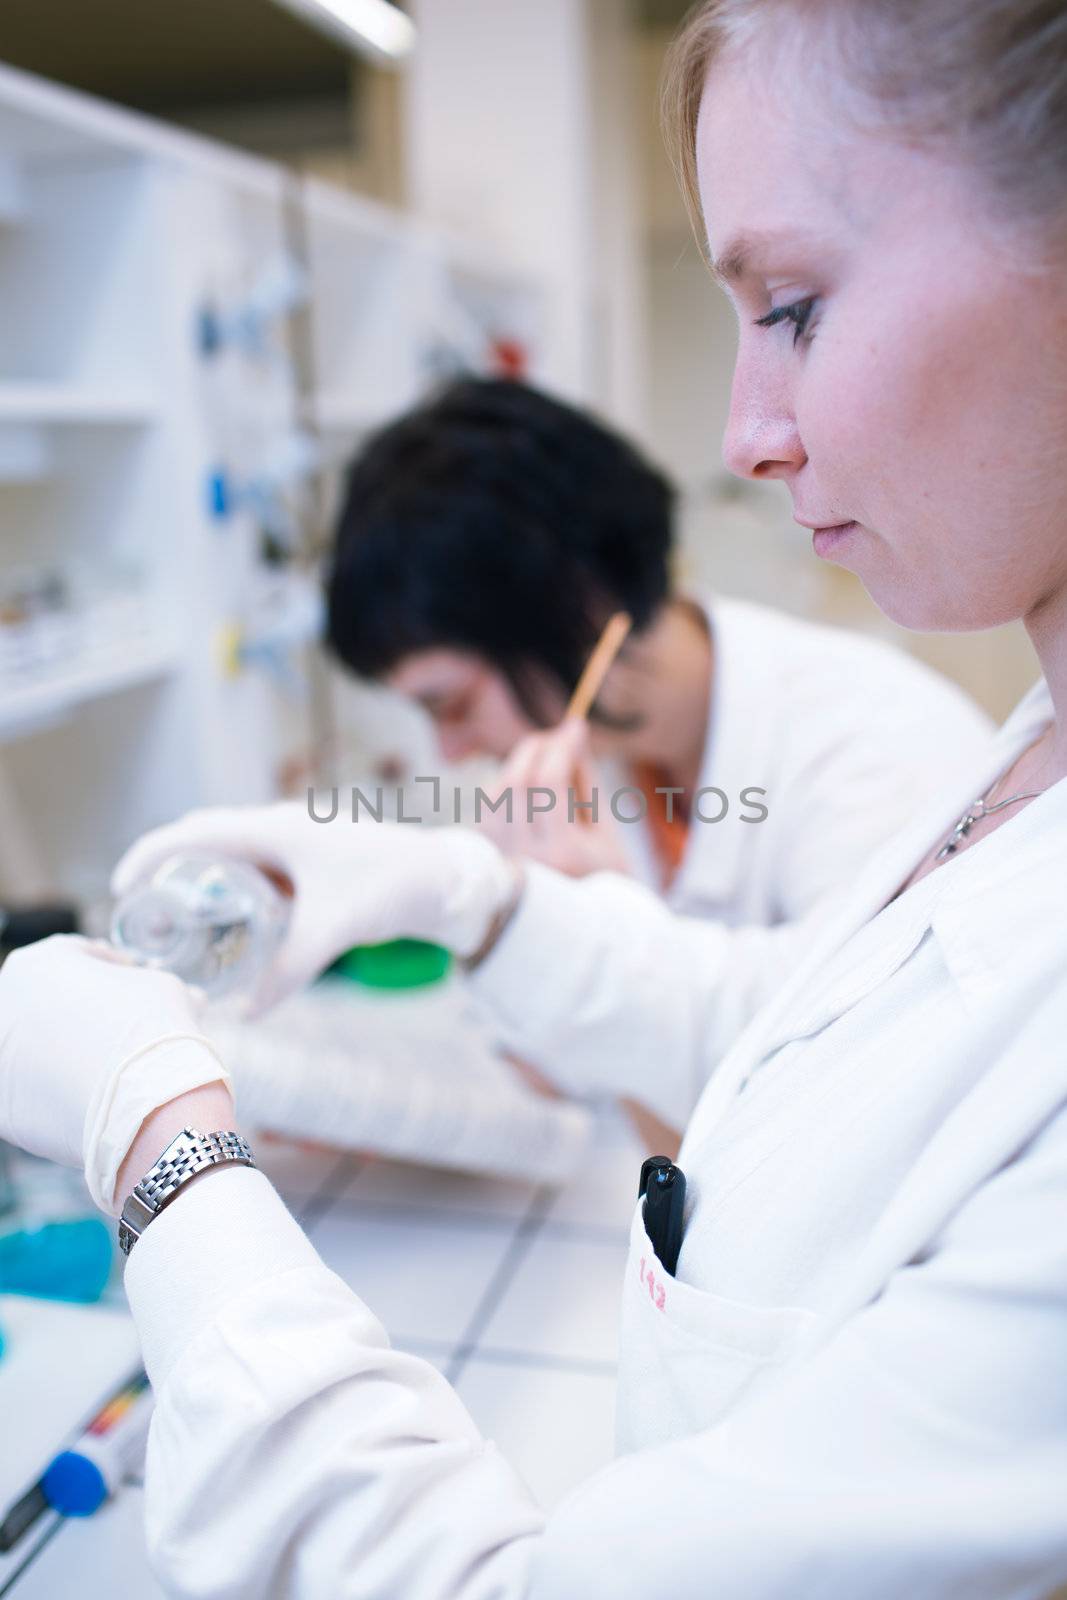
90,1045
354,882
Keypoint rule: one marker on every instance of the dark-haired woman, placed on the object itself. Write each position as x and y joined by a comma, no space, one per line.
484,540
743,762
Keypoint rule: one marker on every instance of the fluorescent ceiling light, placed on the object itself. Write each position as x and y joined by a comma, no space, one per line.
374,27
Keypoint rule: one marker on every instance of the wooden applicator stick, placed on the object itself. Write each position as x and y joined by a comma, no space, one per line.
599,664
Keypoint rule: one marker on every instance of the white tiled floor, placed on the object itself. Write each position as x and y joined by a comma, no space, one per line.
511,1290
299,1171
556,1426
604,1200
563,1300
425,1278
400,1185
97,1556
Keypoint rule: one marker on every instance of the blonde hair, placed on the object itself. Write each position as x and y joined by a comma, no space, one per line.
985,79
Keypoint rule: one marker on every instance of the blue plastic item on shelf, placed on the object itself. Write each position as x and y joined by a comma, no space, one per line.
59,1261
219,498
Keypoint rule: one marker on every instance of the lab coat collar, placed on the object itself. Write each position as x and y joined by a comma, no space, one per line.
973,906
1025,845
994,926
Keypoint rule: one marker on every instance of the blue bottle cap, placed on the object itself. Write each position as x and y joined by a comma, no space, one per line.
73,1485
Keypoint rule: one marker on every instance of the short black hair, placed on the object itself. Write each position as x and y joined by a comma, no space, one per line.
497,520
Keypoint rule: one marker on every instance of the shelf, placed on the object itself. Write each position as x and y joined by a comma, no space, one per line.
12,192
56,694
347,415
26,454
62,403
116,232
44,121
366,222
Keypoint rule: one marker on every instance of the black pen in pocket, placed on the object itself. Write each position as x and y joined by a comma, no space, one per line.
663,1188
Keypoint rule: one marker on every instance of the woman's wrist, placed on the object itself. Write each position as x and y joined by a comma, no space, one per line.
208,1108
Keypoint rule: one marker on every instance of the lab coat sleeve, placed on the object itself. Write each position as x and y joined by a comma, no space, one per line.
293,1454
606,990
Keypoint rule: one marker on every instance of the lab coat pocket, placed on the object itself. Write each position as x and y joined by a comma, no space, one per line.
687,1356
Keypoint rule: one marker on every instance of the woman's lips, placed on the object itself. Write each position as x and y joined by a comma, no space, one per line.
827,542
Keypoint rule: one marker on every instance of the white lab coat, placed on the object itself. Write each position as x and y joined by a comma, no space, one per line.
841,734
846,734
856,1383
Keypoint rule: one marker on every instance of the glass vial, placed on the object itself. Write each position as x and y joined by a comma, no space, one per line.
214,923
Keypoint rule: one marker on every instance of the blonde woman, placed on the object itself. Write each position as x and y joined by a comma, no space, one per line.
854,1381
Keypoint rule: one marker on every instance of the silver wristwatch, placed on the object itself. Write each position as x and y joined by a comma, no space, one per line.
184,1158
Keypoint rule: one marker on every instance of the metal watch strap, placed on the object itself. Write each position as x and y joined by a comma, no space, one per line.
502,920
187,1155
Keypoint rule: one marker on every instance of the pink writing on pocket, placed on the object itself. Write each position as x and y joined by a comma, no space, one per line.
657,1291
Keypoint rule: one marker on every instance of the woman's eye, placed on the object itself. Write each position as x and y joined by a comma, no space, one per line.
452,711
799,314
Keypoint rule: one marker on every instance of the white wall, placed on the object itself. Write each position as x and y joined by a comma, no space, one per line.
518,121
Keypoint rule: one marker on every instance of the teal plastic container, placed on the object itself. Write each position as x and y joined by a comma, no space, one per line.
59,1261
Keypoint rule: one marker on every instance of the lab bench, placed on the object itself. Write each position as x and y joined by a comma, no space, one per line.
511,1289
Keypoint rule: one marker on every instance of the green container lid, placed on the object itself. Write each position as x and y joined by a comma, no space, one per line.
397,964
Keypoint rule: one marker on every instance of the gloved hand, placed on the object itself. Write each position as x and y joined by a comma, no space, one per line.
548,774
353,882
90,1045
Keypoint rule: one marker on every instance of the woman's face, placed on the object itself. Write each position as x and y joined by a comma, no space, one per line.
473,707
916,390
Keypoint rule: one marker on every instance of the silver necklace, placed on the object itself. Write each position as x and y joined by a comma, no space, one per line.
975,812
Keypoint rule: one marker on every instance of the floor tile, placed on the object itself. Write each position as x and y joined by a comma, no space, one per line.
16,1564
402,1185
563,1300
438,1352
603,1199
423,1279
300,1171
98,1555
555,1427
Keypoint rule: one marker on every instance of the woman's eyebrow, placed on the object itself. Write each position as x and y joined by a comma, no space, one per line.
735,260
741,254
432,698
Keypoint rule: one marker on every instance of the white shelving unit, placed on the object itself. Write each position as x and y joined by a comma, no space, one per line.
121,437
58,693
364,308
59,403
397,305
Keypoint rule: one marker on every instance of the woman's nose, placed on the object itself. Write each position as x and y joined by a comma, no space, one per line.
762,439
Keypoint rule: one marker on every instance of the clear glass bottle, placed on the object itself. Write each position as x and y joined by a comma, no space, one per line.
214,923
